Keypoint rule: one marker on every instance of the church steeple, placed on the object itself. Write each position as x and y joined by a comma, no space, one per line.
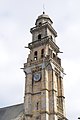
44,94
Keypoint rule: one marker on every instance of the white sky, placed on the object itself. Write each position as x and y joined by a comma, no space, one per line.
16,19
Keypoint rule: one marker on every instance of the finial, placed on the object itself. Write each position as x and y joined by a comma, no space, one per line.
43,9
43,12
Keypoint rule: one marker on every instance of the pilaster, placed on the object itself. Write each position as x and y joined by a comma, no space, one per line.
28,97
44,96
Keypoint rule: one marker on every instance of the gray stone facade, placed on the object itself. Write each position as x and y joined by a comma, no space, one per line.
44,93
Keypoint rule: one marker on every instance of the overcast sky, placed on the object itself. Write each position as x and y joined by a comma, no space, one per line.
16,19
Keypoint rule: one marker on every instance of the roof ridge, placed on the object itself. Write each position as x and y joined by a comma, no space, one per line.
11,106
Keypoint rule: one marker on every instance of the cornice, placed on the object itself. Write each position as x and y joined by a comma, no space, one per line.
44,25
44,41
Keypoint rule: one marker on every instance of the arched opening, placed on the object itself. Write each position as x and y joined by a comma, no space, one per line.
35,55
39,36
42,53
37,105
40,23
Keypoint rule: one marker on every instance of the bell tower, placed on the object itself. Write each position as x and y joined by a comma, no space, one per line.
44,94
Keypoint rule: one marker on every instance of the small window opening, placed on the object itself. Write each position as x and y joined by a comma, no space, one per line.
51,37
37,105
35,55
53,55
42,53
40,23
39,36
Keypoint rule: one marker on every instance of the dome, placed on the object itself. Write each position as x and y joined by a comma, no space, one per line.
43,18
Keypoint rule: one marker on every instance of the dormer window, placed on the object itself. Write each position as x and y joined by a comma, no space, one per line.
39,36
35,55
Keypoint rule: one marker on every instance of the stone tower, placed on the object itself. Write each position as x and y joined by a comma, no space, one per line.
44,95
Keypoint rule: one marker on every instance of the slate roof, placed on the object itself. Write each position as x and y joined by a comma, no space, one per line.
9,113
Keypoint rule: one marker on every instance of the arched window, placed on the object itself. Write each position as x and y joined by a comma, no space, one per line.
39,36
42,53
53,55
35,55
51,37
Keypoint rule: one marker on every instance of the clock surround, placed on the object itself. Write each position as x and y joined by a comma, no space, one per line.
37,76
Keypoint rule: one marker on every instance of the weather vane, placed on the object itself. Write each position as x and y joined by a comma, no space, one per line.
43,9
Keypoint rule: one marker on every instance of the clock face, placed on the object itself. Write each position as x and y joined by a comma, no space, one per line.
37,76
